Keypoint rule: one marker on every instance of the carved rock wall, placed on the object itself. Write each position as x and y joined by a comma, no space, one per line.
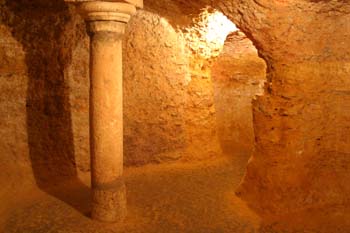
301,122
36,128
155,79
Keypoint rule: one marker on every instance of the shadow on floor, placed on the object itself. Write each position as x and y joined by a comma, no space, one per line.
47,33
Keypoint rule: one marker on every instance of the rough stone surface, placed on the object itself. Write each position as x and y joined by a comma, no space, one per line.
155,71
37,143
301,122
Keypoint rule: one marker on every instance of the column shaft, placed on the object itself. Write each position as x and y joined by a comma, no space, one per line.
106,121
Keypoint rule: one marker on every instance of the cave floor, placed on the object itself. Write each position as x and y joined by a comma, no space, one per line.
181,198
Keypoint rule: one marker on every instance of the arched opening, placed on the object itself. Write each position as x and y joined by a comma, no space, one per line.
226,75
239,75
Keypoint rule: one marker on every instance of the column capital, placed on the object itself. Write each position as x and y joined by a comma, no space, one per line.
107,15
136,3
107,11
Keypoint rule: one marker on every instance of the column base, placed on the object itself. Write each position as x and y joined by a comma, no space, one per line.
109,205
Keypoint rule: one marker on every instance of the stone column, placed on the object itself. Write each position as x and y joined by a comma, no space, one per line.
106,23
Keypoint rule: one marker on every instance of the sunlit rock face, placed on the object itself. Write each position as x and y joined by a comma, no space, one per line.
204,37
207,33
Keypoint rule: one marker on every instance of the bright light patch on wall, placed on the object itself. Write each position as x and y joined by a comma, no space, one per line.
219,26
207,35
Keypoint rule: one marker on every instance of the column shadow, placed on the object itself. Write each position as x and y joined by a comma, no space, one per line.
45,30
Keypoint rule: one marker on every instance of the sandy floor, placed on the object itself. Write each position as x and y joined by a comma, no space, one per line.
196,198
178,198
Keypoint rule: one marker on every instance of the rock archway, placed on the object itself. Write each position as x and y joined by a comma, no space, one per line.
239,75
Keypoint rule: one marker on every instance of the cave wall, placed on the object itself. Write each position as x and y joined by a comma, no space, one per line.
301,158
155,81
36,41
36,133
13,144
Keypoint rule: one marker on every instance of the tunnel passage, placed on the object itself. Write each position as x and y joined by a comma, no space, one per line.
239,75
